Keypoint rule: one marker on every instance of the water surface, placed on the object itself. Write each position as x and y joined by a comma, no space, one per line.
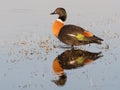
28,47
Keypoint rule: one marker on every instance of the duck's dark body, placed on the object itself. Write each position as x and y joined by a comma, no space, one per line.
66,32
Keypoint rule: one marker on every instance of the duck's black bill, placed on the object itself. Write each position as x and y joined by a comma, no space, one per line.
52,13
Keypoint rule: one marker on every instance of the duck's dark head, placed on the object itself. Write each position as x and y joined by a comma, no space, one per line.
61,12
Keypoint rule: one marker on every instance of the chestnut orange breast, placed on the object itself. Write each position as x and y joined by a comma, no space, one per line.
57,25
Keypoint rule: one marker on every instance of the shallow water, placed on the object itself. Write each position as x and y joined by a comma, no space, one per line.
28,47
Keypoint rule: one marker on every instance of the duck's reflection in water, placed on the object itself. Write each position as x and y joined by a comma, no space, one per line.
71,59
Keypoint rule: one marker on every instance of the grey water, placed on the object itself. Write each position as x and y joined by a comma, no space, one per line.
28,47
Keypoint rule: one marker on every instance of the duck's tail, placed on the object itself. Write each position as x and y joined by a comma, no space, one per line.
97,40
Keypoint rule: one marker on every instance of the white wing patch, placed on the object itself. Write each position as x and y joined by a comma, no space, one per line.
71,35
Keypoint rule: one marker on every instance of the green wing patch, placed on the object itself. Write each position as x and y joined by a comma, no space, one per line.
80,60
80,37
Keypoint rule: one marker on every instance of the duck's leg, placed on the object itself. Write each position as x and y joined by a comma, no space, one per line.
72,47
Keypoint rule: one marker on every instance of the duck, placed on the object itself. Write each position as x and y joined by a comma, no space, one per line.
70,34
